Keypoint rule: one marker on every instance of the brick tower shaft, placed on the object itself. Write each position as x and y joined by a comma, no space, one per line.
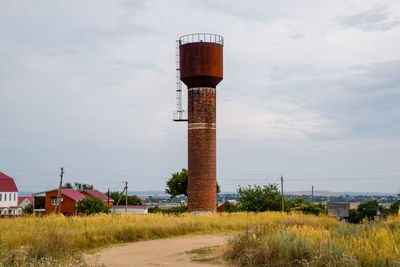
202,196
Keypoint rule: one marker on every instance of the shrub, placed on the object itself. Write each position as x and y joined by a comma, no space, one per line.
370,244
257,198
174,210
28,209
91,205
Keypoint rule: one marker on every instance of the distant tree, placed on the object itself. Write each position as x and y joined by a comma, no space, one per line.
155,209
174,210
81,187
306,207
268,198
259,198
28,209
368,209
91,205
354,216
132,200
178,184
394,207
67,185
78,186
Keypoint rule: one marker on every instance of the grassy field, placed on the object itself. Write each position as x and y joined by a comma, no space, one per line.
368,244
57,240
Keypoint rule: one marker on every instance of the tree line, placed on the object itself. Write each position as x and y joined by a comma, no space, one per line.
268,198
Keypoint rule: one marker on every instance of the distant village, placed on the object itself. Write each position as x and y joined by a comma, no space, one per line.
45,202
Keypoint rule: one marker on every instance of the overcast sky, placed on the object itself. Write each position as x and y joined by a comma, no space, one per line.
311,90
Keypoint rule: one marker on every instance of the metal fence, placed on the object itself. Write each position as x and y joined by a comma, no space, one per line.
201,37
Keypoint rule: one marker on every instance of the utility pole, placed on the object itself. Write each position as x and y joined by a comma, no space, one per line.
58,201
126,196
283,198
108,197
120,197
312,194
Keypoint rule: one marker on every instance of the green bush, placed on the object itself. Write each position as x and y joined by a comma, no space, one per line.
174,210
91,205
308,208
28,209
258,199
368,210
132,200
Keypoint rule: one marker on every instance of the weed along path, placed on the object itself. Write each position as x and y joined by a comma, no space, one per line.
160,252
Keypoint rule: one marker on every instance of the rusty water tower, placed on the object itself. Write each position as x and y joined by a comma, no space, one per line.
200,66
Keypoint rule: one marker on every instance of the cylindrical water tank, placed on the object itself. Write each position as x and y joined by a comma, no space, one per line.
201,69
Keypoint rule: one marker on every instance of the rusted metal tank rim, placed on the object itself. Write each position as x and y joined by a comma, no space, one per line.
201,38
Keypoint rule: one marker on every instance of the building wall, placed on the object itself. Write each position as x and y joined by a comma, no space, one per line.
338,209
11,211
5,199
130,210
67,206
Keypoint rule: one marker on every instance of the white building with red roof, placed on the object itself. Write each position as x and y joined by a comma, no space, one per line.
25,201
8,196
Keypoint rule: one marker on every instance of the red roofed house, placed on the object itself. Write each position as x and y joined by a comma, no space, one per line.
97,194
8,196
24,201
69,197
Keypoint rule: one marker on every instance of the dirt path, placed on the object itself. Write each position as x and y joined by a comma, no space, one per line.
162,252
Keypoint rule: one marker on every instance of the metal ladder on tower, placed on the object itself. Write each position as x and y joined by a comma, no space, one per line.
179,114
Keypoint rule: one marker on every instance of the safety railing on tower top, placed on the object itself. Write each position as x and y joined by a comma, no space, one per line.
201,37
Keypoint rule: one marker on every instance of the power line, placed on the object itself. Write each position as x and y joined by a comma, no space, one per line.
139,172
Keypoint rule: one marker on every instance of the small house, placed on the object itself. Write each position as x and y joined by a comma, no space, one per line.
338,209
226,205
45,202
8,196
23,202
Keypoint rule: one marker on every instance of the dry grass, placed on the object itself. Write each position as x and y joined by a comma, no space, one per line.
370,244
55,240
269,238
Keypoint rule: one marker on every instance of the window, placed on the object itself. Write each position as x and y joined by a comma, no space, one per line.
54,200
15,196
1,196
10,197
